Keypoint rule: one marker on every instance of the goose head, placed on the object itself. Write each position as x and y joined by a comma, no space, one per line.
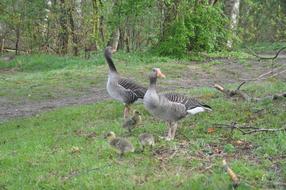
110,136
155,73
136,112
109,51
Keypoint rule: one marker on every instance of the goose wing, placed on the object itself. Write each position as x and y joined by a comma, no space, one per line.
137,90
192,105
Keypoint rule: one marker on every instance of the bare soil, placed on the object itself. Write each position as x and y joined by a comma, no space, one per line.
220,70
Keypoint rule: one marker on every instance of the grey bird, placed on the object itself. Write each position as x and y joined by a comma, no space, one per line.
146,139
120,88
121,145
170,107
133,121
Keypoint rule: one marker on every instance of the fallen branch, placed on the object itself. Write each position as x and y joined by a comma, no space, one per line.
233,93
261,57
264,130
244,129
238,93
263,76
233,176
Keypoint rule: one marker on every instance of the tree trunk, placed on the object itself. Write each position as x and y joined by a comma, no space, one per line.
231,10
63,34
2,45
17,39
95,21
73,31
115,38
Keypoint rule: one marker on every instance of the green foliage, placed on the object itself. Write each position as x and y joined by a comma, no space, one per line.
199,28
263,21
174,43
207,24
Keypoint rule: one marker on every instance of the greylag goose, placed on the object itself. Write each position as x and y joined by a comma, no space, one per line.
170,107
120,88
121,145
146,139
132,122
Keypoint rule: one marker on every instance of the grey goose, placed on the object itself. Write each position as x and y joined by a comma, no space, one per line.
120,88
170,107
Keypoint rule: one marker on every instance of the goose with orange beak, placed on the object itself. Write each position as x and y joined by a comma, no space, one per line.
170,107
120,88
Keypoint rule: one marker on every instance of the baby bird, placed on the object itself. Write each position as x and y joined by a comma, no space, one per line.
132,122
121,145
146,139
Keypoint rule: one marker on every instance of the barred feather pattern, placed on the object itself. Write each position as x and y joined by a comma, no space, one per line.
189,103
136,91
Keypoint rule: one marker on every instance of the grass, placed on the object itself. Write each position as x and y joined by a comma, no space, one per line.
65,148
45,77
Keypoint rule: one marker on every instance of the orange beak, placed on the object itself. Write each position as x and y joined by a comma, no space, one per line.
160,74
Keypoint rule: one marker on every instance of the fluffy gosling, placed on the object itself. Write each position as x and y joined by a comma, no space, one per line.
146,139
132,122
121,145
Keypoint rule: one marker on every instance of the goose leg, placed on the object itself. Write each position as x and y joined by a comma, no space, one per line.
169,136
126,111
174,128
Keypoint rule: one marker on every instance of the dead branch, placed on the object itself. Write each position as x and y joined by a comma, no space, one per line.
233,93
238,93
264,130
263,76
230,172
261,57
244,129
274,97
240,85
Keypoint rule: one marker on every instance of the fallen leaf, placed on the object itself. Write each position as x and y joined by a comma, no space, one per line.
211,130
75,149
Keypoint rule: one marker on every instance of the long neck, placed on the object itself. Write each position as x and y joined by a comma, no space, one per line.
153,80
110,63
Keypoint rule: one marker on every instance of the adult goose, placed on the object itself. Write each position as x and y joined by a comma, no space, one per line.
170,107
120,88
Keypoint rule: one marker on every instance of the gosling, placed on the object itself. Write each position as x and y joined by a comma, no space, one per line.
146,139
132,122
121,145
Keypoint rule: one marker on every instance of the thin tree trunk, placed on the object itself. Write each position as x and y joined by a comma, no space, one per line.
101,28
95,21
17,39
232,12
63,34
2,45
74,35
115,38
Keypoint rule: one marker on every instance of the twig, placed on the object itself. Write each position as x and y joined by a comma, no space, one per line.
261,57
247,129
240,85
262,76
232,175
264,130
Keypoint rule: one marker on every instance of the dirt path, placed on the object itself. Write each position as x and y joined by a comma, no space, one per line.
8,111
221,71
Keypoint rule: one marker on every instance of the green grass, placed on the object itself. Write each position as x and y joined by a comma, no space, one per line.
45,77
40,152
37,152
